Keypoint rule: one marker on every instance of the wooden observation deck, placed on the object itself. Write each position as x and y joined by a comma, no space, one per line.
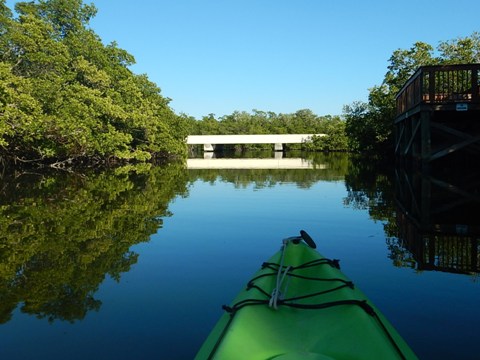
438,113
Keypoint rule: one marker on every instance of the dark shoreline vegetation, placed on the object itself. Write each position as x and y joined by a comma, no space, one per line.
68,101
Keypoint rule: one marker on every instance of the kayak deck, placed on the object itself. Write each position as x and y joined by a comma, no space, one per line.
299,305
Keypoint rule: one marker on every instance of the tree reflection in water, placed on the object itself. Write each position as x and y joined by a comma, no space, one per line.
62,234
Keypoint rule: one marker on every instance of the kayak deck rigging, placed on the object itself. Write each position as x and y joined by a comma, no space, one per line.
286,286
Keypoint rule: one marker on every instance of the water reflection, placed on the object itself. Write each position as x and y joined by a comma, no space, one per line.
268,171
273,163
62,234
438,220
430,219
369,187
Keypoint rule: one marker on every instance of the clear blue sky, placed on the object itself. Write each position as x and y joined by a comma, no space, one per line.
218,56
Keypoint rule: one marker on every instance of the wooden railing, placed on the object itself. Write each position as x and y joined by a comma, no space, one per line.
440,84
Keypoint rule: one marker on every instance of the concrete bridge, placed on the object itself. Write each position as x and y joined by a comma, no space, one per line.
210,141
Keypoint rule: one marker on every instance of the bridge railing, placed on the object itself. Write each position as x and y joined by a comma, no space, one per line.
440,84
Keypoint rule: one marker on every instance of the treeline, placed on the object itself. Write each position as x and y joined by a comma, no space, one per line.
369,125
262,122
65,96
365,127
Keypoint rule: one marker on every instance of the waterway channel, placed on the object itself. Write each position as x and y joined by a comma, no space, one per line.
135,262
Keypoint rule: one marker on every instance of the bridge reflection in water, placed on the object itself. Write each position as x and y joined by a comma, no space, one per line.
438,221
277,162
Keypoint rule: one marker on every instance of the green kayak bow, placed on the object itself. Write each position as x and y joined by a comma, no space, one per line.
299,305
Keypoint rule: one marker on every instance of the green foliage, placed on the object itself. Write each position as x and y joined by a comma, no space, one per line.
65,95
261,122
369,126
366,128
335,138
62,234
20,110
403,63
461,50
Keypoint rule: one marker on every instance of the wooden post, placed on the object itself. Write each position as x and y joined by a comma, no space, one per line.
416,123
406,136
431,86
425,135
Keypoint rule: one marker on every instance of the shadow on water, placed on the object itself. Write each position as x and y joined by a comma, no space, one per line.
62,234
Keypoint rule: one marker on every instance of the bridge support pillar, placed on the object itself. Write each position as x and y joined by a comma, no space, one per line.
278,147
208,147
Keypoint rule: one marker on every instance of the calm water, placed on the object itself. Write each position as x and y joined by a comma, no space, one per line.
136,262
